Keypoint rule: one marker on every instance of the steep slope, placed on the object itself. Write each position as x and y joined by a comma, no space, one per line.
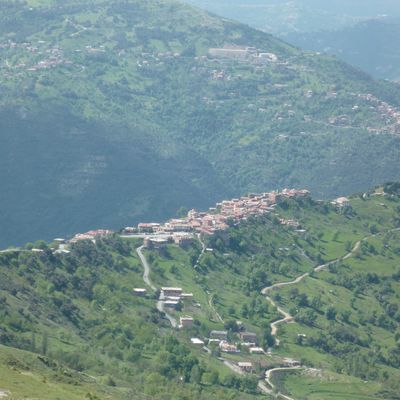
111,113
77,322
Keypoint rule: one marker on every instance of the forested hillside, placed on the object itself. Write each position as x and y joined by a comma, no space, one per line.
113,112
332,270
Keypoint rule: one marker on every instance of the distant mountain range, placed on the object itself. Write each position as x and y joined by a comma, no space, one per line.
371,45
362,33
117,112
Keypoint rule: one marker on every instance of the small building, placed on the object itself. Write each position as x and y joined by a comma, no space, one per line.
139,292
289,362
221,335
186,322
256,350
148,227
171,292
59,240
245,366
187,296
341,202
248,344
197,342
228,347
248,337
171,304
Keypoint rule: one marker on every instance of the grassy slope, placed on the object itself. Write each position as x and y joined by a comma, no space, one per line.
121,116
79,310
329,235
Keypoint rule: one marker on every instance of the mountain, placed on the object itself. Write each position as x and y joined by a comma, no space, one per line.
114,113
71,323
370,45
362,33
301,16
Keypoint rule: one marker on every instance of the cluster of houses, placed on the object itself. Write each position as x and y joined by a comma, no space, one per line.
390,114
247,340
91,235
50,56
172,297
220,339
216,218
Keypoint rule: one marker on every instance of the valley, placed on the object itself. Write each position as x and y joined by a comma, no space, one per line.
136,98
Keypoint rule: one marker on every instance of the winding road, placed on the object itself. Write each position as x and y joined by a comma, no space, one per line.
148,282
287,318
268,377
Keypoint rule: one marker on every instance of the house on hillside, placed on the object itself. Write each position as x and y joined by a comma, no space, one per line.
171,291
228,347
248,337
245,366
186,322
221,335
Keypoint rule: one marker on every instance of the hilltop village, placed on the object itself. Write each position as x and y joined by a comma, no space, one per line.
217,218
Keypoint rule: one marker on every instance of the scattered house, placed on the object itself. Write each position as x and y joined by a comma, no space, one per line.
216,341
59,240
148,227
341,202
183,240
171,304
187,296
171,292
248,344
186,322
156,243
197,342
221,335
228,348
129,230
37,251
140,292
289,362
256,350
61,251
248,337
245,366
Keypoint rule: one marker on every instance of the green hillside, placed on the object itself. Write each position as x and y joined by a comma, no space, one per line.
111,113
81,330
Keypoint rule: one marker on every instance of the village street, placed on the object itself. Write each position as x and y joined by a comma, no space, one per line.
148,282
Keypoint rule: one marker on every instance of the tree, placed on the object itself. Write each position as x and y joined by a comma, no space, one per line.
331,313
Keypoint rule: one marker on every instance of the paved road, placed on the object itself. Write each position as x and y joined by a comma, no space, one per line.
148,282
146,266
268,379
